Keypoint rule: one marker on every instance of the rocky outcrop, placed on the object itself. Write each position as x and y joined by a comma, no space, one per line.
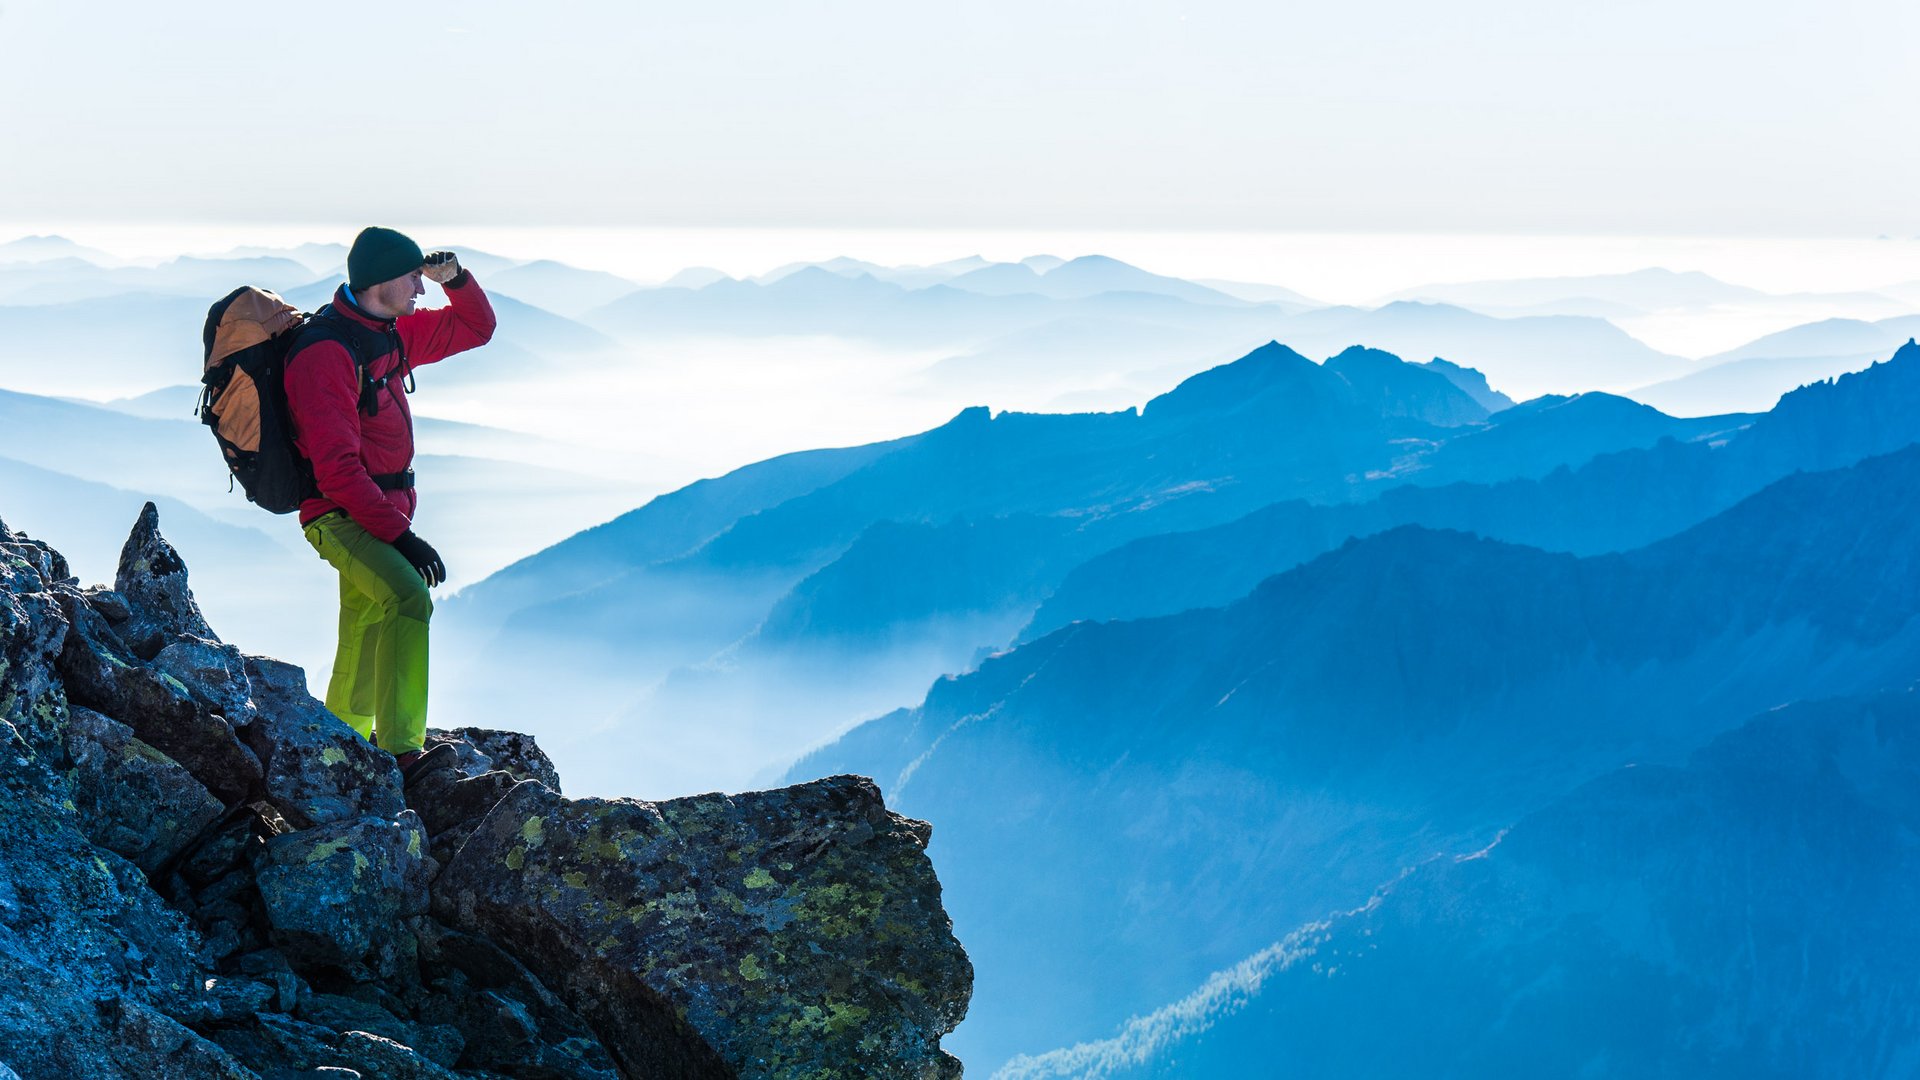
206,874
799,932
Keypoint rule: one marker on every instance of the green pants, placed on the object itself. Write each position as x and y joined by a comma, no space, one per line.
380,668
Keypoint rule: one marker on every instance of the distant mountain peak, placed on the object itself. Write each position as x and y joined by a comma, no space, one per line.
1391,387
1357,355
41,248
696,277
1271,366
1474,382
972,415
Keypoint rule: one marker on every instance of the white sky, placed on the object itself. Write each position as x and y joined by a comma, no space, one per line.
1633,117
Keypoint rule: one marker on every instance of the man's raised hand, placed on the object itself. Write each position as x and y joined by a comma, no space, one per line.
441,266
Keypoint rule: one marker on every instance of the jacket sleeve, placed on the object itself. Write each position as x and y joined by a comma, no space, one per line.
323,397
465,323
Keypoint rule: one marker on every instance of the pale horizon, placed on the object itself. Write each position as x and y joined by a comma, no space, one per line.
1346,267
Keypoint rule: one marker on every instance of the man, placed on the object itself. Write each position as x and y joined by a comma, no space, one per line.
347,380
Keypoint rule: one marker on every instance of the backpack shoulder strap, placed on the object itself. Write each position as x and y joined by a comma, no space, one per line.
362,344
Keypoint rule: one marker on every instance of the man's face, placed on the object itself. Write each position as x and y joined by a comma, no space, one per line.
392,299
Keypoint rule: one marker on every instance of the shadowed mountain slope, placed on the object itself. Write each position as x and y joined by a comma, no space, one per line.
1741,915
1165,789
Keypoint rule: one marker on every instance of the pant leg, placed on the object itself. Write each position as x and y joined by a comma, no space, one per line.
350,687
391,647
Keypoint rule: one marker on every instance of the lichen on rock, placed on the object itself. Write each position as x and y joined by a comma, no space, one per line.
799,932
132,799
317,770
338,895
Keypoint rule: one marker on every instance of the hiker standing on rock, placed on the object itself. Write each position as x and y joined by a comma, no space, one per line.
347,381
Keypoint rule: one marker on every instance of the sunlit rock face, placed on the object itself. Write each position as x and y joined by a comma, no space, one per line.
799,932
205,873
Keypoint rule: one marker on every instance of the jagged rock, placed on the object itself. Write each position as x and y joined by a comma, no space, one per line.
338,895
318,770
33,629
282,1048
111,605
100,674
132,799
232,845
213,883
152,579
270,840
797,932
511,1023
271,967
453,805
149,1043
215,677
89,956
483,750
228,1001
93,961
439,1043
380,1056
452,795
42,561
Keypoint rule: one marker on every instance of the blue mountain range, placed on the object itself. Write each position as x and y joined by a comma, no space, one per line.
1146,793
901,561
1289,642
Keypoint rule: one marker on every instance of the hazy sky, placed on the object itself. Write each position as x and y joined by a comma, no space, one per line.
1676,117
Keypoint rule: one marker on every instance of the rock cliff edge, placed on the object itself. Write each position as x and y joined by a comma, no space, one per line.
205,874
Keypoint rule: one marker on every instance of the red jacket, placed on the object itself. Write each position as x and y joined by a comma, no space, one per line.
347,447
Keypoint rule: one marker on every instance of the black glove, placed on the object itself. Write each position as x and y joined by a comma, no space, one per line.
441,266
422,556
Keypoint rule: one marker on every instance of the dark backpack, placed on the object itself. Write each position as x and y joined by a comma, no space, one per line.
248,337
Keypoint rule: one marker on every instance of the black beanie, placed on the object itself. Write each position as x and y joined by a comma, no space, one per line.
381,255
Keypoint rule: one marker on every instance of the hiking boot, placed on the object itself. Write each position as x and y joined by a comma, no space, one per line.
417,763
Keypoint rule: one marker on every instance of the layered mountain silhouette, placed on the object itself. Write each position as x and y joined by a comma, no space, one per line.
1087,309
920,553
1154,789
1614,501
1754,375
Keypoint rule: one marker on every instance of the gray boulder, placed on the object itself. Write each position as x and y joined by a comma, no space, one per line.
339,895
509,1021
215,677
484,750
100,673
33,631
318,770
132,799
797,932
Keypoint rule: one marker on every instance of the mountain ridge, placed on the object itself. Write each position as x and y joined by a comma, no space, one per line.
1406,693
